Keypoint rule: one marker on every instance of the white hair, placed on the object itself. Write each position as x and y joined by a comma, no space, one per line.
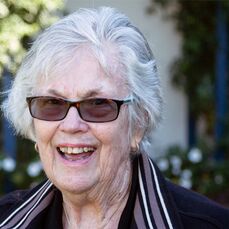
97,29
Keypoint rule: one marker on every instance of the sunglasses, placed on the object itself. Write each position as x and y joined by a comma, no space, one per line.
49,108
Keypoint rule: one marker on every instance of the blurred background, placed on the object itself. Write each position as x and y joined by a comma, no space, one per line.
189,40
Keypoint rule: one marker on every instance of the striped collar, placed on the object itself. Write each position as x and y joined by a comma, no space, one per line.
26,211
149,205
154,207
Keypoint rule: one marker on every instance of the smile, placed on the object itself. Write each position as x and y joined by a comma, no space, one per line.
75,150
75,153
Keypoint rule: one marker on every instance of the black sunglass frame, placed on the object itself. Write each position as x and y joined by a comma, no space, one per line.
76,104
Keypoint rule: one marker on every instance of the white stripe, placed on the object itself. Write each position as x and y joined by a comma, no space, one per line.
25,203
34,206
160,197
144,199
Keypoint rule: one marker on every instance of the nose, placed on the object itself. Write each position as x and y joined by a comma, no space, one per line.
72,123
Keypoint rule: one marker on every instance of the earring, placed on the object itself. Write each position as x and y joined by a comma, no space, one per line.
36,147
136,148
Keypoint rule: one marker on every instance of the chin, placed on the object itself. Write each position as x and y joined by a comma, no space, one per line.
75,185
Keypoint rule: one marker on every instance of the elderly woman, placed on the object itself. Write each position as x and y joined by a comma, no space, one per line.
89,96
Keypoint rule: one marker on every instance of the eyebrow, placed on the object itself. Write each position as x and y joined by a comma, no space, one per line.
91,93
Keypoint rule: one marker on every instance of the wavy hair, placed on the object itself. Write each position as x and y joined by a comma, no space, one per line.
94,28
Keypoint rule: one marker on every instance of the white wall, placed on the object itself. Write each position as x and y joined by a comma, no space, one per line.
165,43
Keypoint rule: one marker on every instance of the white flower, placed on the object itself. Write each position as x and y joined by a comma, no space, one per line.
186,174
163,164
8,164
186,183
176,164
195,155
175,161
34,168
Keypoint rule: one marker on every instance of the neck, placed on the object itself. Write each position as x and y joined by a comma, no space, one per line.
101,207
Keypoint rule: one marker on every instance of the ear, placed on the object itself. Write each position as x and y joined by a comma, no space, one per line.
138,133
136,138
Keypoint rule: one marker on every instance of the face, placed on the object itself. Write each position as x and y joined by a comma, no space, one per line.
104,147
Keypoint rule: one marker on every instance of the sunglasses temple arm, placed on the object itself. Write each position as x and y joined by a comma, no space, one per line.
128,100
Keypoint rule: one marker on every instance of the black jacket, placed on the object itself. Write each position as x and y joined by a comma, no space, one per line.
191,210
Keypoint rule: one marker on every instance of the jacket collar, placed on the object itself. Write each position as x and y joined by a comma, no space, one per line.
149,205
154,206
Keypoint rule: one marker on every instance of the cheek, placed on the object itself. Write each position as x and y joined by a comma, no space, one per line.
44,131
114,154
114,134
115,143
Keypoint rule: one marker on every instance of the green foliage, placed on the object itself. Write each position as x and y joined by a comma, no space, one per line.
23,172
194,73
194,70
20,21
196,169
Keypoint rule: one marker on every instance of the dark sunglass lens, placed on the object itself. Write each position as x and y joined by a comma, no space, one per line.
49,109
98,110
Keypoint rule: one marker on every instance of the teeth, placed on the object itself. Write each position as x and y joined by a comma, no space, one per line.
70,150
73,150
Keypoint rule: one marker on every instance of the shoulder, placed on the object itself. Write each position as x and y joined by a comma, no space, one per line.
197,210
11,199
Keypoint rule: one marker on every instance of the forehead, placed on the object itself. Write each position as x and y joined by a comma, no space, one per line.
84,76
